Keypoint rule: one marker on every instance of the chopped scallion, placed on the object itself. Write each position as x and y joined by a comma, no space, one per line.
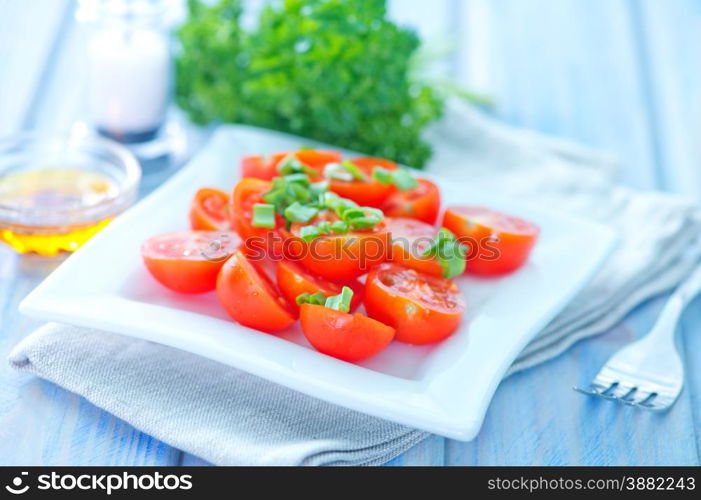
300,213
263,215
317,298
340,302
308,233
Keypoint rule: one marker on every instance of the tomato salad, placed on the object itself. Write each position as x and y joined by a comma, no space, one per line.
310,236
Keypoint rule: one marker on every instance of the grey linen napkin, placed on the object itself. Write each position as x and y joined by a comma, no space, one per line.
229,417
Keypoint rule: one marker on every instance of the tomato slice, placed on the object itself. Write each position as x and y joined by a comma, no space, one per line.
317,158
209,210
338,257
422,308
350,337
259,166
369,192
410,238
188,261
293,280
259,241
499,243
250,297
422,202
265,168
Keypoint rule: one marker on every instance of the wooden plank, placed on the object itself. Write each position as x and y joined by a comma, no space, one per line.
567,68
53,425
672,36
573,69
21,70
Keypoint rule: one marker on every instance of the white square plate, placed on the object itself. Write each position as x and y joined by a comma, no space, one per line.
443,388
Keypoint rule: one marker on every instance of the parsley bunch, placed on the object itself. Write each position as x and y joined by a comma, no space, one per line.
332,70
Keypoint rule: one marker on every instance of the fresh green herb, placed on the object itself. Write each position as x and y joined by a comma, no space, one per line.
338,71
263,215
300,213
449,253
340,302
318,299
400,178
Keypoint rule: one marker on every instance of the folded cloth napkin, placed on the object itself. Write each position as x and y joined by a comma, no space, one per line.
229,417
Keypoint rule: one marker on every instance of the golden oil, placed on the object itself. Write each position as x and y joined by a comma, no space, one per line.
48,189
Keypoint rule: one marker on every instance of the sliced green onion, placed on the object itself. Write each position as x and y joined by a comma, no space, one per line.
298,178
364,222
449,253
318,299
291,165
337,172
300,213
339,227
324,227
275,197
317,188
382,175
308,233
362,217
344,171
340,302
353,169
404,180
263,215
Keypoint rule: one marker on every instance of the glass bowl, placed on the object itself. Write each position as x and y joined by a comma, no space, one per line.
57,192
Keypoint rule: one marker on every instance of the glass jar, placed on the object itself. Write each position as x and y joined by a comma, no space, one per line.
129,66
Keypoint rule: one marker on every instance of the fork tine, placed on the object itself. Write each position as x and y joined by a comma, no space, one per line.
645,402
597,389
609,393
628,396
588,392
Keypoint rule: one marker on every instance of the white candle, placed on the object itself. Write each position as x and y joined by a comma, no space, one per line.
129,79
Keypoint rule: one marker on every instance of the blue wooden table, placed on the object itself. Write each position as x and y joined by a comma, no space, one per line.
620,75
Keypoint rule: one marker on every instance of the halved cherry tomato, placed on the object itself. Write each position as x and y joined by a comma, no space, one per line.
422,308
350,337
293,280
265,168
259,241
338,257
368,192
209,210
422,202
259,166
188,261
499,243
317,158
250,297
410,238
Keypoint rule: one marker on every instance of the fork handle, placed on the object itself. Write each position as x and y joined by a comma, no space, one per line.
690,288
666,323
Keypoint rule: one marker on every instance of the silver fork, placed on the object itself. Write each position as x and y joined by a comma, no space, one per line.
649,373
